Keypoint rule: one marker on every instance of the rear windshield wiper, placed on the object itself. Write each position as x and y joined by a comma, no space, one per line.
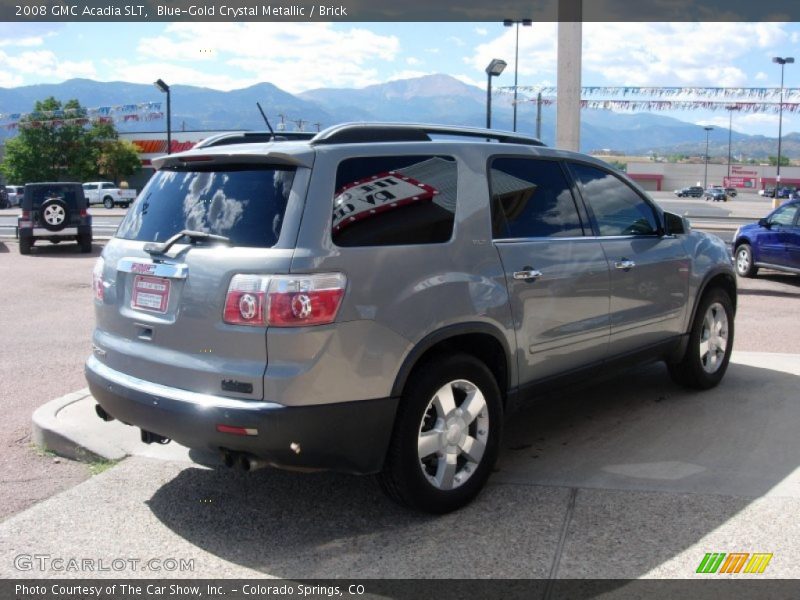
194,237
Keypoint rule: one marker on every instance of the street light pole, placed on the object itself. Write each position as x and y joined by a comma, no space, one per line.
163,87
730,108
493,70
509,23
705,173
782,62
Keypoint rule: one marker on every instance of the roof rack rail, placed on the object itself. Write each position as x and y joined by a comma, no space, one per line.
360,133
252,137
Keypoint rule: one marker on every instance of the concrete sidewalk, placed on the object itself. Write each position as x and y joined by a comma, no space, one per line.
630,478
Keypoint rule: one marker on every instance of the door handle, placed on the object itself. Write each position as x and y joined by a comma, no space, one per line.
624,264
528,274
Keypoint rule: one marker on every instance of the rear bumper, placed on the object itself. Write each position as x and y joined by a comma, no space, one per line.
350,437
73,232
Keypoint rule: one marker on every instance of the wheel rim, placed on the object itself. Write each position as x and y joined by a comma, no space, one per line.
453,434
714,338
54,215
743,261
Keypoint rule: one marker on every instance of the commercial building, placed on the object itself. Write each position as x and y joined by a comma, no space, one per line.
665,176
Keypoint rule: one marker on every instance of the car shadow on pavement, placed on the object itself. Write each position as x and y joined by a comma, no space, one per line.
3,248
633,472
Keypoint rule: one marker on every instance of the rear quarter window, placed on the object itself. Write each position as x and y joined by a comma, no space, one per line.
394,200
244,203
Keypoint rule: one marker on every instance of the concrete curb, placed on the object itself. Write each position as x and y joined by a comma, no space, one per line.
56,435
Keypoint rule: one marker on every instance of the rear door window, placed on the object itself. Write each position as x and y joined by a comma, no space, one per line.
394,200
531,198
243,203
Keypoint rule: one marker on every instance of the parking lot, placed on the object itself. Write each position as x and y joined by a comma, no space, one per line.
633,477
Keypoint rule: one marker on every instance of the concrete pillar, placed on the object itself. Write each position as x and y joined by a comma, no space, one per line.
568,100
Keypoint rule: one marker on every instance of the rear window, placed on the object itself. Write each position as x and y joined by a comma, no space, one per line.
72,195
243,203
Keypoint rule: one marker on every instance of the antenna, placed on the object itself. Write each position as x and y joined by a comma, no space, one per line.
266,120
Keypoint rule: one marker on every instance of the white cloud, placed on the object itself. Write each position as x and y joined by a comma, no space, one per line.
46,65
456,41
761,76
407,74
8,79
481,83
135,72
482,31
537,54
25,42
755,121
294,56
667,54
413,61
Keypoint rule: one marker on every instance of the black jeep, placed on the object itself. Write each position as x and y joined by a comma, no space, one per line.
54,212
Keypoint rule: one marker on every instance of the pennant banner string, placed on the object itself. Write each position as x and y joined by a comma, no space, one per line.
145,111
661,105
743,93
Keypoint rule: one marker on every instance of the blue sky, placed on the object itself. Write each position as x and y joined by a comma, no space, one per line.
301,56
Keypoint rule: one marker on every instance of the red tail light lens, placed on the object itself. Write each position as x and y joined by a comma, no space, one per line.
284,300
26,214
244,304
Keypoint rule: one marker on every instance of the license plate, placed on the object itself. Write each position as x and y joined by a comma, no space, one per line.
150,293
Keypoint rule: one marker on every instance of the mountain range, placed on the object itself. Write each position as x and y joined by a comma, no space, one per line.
429,99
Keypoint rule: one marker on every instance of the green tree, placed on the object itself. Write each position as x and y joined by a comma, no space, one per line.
773,160
118,159
58,142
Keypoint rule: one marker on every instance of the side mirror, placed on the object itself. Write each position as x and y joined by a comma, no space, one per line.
764,223
675,224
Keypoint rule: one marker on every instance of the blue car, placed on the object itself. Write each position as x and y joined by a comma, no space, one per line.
773,242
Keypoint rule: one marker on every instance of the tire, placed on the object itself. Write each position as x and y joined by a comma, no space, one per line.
53,214
108,202
125,204
85,243
744,261
462,451
25,245
708,351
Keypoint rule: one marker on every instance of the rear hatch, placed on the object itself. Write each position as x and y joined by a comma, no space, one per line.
160,296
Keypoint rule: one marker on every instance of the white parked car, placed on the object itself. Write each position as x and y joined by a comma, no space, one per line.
108,194
15,194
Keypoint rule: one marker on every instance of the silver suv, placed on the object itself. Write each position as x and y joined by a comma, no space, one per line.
373,299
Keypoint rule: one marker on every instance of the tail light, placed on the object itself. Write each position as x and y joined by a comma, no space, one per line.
284,300
97,280
246,299
26,215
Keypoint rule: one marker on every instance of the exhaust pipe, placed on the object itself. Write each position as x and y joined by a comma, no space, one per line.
251,463
229,459
148,437
101,412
